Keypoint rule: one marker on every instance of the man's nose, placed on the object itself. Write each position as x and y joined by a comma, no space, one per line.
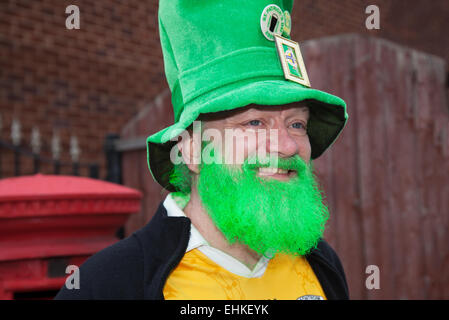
281,142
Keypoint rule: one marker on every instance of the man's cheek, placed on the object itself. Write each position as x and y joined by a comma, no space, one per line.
305,149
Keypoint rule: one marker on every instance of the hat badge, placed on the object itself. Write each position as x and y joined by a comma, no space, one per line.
276,26
273,21
292,61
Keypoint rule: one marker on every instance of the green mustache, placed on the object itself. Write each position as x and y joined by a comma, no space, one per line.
293,163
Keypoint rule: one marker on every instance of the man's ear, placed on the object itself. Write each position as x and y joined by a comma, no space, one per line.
190,148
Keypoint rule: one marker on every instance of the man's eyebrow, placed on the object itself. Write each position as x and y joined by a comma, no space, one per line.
246,113
274,108
303,108
259,112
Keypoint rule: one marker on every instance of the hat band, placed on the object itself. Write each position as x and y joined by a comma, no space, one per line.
236,66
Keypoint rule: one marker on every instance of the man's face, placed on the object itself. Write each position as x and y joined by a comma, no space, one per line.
270,204
276,130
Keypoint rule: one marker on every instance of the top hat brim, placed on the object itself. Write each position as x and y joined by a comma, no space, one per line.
328,117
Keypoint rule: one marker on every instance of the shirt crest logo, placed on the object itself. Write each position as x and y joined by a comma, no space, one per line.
310,297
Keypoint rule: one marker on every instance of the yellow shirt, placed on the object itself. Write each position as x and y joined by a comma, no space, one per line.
199,278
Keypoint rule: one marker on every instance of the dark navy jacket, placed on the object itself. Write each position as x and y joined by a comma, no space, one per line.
138,266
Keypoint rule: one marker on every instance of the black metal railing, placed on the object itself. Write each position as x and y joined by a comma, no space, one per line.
113,159
114,147
58,166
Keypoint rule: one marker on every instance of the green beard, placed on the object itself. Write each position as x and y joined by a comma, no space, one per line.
268,215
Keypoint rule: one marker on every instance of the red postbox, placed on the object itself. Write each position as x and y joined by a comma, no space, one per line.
50,222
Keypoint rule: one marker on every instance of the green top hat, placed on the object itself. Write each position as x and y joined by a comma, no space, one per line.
221,55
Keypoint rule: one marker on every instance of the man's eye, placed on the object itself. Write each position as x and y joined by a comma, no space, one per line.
255,123
298,125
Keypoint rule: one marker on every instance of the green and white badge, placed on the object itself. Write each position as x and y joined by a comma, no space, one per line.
272,21
291,60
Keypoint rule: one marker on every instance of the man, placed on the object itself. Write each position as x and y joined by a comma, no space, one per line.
245,219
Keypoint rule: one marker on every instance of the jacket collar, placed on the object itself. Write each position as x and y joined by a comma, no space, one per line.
164,241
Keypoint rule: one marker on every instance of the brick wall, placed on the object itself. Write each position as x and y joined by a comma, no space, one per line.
86,82
92,81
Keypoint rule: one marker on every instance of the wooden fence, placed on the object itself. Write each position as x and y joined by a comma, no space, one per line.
387,177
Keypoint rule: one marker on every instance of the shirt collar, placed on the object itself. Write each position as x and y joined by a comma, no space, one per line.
219,257
173,210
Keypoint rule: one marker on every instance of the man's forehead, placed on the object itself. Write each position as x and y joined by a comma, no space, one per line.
299,108
293,108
